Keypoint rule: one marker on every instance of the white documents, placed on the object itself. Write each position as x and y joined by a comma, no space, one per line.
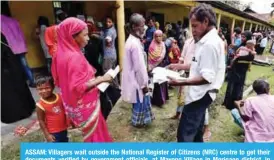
113,73
160,75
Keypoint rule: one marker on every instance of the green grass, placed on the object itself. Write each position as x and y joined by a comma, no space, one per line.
258,71
221,123
12,151
162,129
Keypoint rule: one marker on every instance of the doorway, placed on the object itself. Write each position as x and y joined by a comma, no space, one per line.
159,17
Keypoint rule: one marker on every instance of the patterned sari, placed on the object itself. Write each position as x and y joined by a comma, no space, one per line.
71,72
156,56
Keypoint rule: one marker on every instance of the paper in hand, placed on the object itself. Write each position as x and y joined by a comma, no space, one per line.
113,73
160,75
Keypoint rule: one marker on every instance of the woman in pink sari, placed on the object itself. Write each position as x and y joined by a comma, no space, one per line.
77,82
156,51
156,55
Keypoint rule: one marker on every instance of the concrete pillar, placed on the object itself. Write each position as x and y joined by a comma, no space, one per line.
256,28
232,30
243,27
233,25
250,27
190,28
120,14
219,21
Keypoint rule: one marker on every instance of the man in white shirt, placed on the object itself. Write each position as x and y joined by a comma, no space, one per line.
263,44
207,71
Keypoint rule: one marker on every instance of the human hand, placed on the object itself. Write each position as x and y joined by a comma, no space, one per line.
145,90
172,67
144,41
174,82
50,138
107,78
242,103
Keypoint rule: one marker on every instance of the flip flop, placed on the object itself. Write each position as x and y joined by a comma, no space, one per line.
207,138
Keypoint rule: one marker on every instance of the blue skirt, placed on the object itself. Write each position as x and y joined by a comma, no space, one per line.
141,112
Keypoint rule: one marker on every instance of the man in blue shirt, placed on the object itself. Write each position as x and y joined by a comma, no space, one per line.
149,32
110,55
236,41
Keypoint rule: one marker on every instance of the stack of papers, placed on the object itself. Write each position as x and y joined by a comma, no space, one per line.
113,73
160,75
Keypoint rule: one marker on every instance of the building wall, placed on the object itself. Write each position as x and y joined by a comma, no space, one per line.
181,12
99,9
167,9
27,13
138,7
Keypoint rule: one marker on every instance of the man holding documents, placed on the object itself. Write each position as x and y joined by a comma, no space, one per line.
134,74
206,74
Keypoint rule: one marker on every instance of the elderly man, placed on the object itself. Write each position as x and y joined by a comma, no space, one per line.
255,114
206,73
134,75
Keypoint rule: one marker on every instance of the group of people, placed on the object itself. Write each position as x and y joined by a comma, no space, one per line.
205,61
90,52
81,52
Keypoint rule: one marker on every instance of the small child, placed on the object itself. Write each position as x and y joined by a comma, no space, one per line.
50,112
244,51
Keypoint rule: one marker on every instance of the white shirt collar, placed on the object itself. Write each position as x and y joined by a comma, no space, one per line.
208,35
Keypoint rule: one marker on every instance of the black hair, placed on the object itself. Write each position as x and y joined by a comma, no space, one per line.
248,35
179,22
186,23
202,12
264,34
151,18
5,9
62,16
44,79
238,30
260,86
174,26
171,33
109,17
42,20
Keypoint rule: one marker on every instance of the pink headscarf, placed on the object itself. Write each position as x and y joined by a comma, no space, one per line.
70,69
156,51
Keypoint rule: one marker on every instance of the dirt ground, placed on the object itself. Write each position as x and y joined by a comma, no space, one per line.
162,129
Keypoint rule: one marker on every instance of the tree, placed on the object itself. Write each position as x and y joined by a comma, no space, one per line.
238,4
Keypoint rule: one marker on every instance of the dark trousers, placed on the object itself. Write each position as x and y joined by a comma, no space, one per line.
61,136
192,120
